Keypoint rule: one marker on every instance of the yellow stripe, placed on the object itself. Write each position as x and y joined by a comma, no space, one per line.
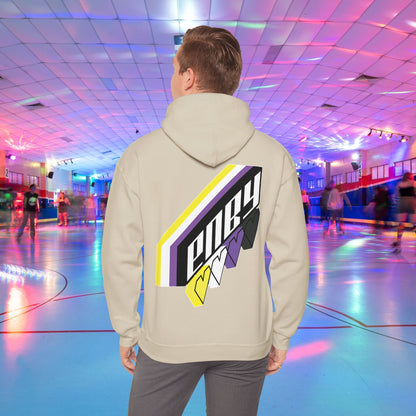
194,204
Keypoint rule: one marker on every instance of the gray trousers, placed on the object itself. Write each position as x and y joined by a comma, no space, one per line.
232,388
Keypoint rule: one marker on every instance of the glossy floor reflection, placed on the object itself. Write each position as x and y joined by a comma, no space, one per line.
354,354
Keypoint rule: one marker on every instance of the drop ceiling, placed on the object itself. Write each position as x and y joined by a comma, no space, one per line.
82,79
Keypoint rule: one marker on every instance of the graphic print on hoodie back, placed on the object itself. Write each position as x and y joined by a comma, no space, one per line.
209,234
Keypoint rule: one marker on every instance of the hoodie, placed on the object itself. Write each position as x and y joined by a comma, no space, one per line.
202,196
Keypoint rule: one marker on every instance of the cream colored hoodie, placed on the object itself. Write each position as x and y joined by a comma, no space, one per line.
203,195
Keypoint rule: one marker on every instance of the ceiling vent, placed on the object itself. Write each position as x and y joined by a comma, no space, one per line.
329,106
272,54
106,152
367,79
34,106
66,139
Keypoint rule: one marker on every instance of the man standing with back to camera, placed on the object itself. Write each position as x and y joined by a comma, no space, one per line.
203,195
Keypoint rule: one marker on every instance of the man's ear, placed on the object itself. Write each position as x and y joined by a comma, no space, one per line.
189,80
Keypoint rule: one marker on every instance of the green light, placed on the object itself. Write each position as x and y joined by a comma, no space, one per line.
263,86
250,25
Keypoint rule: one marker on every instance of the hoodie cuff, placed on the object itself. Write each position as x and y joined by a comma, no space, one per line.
280,342
126,341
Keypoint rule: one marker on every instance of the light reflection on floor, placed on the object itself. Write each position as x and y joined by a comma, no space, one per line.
58,354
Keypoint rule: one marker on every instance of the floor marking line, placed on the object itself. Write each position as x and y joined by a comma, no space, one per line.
341,313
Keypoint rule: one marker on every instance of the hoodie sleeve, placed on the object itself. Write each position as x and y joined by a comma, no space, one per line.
121,258
289,266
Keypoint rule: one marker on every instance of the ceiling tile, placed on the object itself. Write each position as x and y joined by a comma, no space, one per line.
24,30
360,62
20,55
162,10
69,53
225,10
83,69
337,57
109,31
94,53
303,33
190,10
382,12
319,10
119,53
61,70
296,8
99,9
331,33
249,35
163,32
384,41
8,9
128,71
138,32
350,11
127,9
52,30
276,33
81,30
45,53
38,8
405,50
383,67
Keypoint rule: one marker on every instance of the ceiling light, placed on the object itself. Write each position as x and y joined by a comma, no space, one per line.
11,157
381,134
369,133
404,139
303,139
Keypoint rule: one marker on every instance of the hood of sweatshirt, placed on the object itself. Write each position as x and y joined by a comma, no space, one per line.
209,127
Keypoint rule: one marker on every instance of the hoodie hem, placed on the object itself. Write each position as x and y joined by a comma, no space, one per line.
205,352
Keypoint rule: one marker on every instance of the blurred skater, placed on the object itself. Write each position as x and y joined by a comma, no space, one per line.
30,208
103,205
90,210
306,203
63,204
381,202
10,197
323,202
336,201
406,192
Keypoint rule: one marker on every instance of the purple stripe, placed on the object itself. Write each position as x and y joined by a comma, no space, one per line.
173,249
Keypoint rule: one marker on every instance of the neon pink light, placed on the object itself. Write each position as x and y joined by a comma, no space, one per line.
308,350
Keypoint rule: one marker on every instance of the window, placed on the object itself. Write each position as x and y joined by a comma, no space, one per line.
380,172
77,187
406,166
16,178
311,184
33,180
338,178
353,177
320,183
400,168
